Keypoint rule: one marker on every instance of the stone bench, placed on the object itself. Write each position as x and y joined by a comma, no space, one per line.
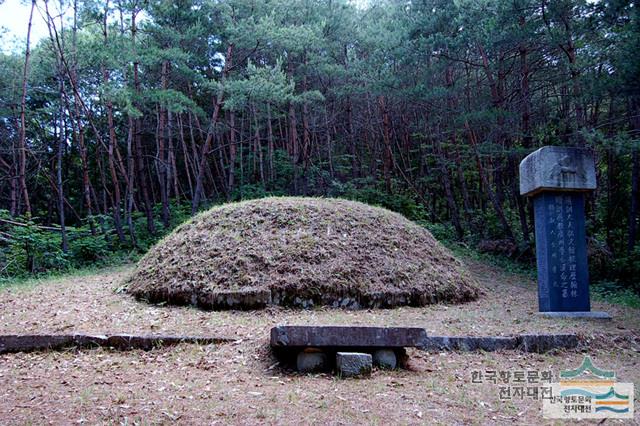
314,348
301,336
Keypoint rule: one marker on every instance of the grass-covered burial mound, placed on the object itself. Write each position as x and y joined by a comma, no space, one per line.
300,252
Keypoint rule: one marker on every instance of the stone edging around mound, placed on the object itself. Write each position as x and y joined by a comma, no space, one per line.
36,342
256,298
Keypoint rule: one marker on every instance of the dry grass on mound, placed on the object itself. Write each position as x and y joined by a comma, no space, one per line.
301,252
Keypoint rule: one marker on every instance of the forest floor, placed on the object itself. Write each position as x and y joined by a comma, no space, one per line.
241,383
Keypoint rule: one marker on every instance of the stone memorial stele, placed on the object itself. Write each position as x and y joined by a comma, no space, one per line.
557,178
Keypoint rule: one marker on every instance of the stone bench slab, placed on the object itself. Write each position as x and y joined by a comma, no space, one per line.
299,336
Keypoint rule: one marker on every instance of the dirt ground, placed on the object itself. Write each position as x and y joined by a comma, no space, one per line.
241,383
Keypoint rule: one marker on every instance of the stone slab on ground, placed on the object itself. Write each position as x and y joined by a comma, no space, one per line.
541,343
353,364
470,343
538,343
38,342
347,336
577,315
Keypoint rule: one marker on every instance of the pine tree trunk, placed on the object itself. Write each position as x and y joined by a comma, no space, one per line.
185,153
635,191
293,146
210,134
525,95
487,186
13,173
130,187
77,125
270,142
386,139
161,160
306,135
466,203
448,190
258,146
519,199
172,158
22,146
117,202
353,148
634,121
59,185
329,143
137,136
233,149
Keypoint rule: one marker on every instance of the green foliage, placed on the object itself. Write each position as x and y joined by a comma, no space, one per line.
526,268
262,85
627,269
616,293
89,250
33,251
370,192
250,191
443,232
28,249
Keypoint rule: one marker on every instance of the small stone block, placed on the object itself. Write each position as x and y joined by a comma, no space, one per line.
557,168
577,315
308,362
353,364
385,358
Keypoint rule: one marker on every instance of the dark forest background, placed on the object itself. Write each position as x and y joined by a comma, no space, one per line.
133,114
